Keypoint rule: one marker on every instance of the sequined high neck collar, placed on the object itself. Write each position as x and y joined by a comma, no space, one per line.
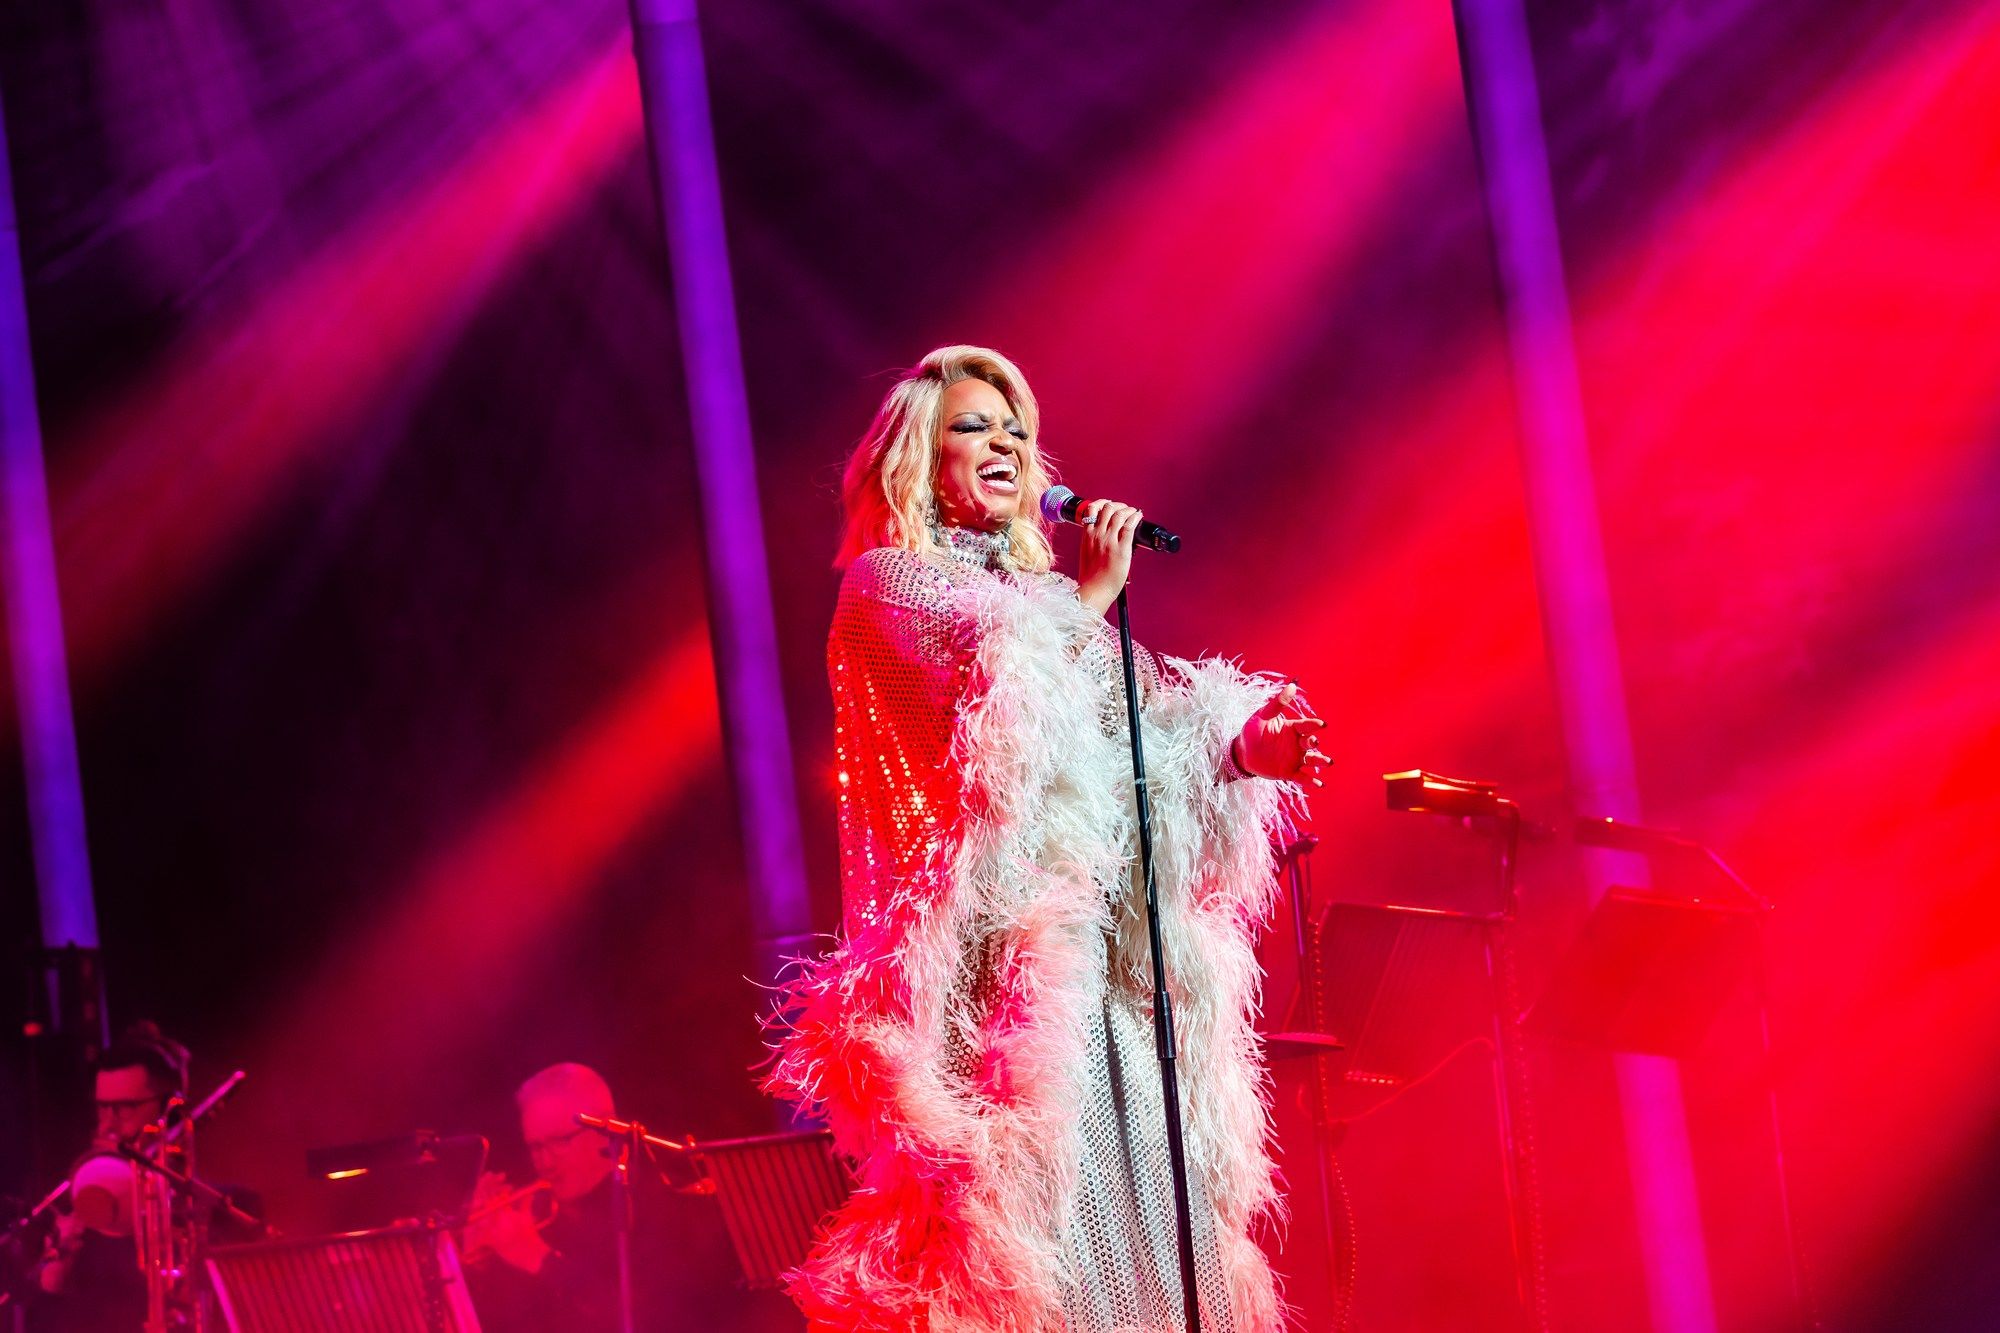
971,546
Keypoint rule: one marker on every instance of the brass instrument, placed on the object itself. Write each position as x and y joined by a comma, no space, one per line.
166,1244
514,1197
168,1201
142,1206
538,1196
145,1205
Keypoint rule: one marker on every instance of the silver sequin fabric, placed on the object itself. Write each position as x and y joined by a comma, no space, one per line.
1123,1232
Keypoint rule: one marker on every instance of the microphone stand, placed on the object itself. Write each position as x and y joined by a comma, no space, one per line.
1163,1012
1316,1043
621,1224
194,1187
632,1139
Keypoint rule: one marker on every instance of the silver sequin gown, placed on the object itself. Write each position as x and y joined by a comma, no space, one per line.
1123,1232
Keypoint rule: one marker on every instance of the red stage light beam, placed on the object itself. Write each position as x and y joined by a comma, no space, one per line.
154,491
1178,282
398,995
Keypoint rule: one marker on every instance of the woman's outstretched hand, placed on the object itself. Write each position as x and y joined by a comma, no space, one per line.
1281,739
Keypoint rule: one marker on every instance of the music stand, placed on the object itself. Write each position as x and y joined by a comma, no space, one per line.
1649,973
1694,952
1480,806
775,1191
402,1279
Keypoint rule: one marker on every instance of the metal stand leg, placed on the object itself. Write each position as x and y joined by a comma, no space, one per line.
1524,1212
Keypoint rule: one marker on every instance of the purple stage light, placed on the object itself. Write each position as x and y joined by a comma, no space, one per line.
34,618
1575,597
674,86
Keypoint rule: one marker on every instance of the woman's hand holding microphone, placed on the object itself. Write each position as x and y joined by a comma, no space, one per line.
1104,561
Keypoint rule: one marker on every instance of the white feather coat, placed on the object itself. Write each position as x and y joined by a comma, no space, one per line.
987,850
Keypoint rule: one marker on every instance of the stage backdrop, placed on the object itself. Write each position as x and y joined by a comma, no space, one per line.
364,421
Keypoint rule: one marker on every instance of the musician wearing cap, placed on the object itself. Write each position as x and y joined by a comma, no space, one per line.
981,1039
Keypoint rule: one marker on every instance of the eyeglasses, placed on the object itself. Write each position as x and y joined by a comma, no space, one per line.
555,1141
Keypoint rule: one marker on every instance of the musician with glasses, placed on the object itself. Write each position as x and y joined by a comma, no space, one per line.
546,1259
548,1262
88,1278
571,1194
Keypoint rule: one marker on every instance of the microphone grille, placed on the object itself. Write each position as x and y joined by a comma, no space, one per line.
1053,500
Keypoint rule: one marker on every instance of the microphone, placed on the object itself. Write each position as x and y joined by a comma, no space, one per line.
1060,503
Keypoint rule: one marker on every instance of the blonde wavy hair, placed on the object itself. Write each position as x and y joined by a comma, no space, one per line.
887,490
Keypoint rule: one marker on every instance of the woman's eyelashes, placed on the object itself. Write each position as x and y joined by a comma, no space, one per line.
978,427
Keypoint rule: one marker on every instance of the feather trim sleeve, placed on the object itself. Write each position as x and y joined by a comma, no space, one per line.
888,1035
1215,869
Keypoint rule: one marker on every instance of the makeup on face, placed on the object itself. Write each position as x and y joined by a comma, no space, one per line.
980,457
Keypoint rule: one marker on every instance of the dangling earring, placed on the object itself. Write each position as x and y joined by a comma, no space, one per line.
932,523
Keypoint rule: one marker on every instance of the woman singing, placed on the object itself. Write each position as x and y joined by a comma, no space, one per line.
981,1041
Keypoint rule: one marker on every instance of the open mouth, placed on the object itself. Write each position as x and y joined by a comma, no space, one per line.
999,475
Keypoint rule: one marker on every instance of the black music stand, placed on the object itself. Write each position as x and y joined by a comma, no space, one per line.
403,1279
1649,974
1479,807
775,1191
